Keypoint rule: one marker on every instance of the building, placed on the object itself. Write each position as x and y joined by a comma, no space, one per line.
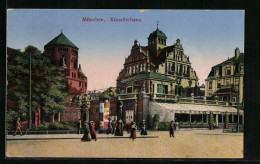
225,81
63,53
155,71
157,68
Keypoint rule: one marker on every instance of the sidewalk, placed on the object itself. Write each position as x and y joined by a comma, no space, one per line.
218,132
70,136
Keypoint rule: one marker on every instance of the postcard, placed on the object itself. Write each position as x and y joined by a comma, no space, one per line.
106,83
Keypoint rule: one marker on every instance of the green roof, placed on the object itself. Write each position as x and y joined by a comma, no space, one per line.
157,33
149,75
61,40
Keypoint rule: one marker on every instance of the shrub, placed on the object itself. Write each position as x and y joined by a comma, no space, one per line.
11,117
211,119
44,126
149,122
164,126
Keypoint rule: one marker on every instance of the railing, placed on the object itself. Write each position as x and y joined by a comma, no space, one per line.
44,132
127,96
205,102
162,96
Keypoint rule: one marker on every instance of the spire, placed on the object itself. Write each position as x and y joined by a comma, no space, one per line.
80,68
61,31
157,24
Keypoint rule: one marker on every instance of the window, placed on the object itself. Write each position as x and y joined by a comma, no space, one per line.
137,69
130,70
210,84
80,84
86,85
228,71
173,67
75,63
236,81
227,81
162,88
242,69
129,90
144,67
134,69
219,84
216,72
141,67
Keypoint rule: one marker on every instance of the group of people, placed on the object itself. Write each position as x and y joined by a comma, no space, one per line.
115,127
89,131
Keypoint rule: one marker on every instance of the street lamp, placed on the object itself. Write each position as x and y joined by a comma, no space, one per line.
30,94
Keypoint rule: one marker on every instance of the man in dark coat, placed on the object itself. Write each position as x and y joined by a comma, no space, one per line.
172,129
143,128
86,136
119,128
18,127
110,128
114,125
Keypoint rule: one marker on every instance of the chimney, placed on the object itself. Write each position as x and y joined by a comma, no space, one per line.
237,53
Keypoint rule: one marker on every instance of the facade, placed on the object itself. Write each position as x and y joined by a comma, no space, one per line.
225,81
64,53
157,68
153,72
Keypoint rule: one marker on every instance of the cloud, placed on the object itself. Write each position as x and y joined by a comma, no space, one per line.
207,10
143,10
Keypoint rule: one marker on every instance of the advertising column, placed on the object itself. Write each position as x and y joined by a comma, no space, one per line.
106,114
101,111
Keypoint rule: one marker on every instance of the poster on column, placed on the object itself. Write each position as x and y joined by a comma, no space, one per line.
106,114
101,111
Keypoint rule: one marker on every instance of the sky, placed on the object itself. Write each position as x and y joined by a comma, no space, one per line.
207,36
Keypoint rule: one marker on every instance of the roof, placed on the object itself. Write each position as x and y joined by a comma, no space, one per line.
104,96
232,60
61,40
149,75
157,33
196,109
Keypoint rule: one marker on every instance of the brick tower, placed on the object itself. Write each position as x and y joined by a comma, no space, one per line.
64,53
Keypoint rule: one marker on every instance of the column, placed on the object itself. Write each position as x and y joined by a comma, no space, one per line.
202,117
207,118
222,118
216,119
232,118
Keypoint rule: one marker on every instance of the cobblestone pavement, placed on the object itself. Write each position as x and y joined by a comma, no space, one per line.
185,144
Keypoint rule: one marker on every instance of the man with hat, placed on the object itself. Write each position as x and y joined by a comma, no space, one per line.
133,131
143,128
86,136
93,131
110,128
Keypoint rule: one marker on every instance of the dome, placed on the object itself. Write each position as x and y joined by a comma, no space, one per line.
157,33
61,40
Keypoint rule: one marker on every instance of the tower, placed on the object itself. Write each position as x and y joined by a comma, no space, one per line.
63,53
157,40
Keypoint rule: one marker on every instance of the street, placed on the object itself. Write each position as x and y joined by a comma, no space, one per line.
185,144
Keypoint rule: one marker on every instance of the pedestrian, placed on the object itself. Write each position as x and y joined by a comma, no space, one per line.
114,125
18,127
143,128
93,131
119,128
172,129
110,128
79,126
133,131
86,136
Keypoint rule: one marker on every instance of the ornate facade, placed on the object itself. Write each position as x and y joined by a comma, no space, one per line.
157,68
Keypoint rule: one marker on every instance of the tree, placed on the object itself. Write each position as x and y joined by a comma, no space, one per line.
48,83
211,120
149,121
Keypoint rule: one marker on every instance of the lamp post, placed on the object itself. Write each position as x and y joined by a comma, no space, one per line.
238,112
30,94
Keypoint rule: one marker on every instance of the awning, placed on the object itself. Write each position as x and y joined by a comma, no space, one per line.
199,109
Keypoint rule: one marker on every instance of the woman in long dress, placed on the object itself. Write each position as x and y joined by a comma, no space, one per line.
86,136
133,131
143,128
93,132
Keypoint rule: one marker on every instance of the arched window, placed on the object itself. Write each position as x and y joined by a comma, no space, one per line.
75,63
